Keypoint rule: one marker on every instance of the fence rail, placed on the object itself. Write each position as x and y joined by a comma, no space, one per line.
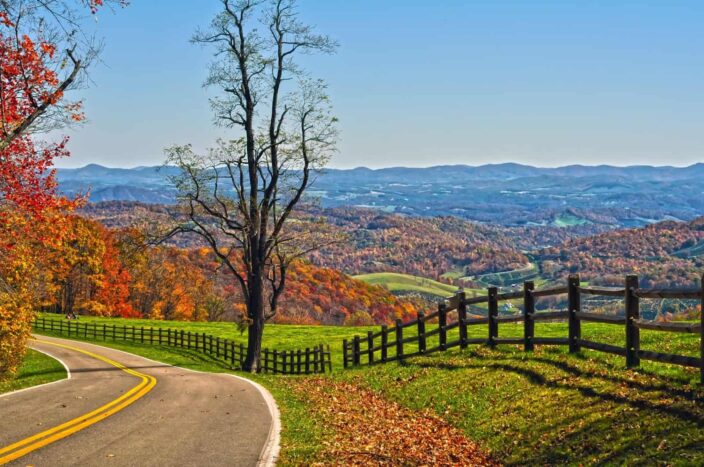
377,347
316,360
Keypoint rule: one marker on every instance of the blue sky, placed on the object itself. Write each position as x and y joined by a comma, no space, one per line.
419,83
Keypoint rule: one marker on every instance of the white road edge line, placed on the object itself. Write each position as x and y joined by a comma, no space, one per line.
270,451
48,354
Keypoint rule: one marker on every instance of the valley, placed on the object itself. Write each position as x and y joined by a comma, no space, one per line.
420,260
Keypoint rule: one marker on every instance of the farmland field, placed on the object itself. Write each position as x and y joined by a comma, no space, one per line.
403,283
506,278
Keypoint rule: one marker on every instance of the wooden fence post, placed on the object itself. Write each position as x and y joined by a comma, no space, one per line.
384,342
575,304
329,354
307,363
528,321
462,317
344,353
492,314
421,332
442,325
632,305
298,361
356,351
399,340
370,347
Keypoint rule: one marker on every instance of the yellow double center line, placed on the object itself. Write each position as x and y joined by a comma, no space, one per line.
32,443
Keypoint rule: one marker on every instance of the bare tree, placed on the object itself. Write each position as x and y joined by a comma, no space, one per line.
242,195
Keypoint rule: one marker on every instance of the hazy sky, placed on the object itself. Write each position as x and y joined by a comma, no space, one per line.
420,83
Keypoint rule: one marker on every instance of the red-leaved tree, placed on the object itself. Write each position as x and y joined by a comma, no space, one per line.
42,54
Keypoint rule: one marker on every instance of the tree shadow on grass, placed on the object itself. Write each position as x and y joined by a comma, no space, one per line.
32,374
635,415
535,377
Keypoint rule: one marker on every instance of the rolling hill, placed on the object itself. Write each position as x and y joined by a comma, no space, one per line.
401,284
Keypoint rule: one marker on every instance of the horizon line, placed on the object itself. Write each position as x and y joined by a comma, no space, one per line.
391,167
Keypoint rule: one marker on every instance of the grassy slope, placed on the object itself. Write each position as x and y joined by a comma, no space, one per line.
36,369
502,279
549,407
552,407
397,282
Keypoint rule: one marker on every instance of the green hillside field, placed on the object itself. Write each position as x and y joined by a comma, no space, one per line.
404,283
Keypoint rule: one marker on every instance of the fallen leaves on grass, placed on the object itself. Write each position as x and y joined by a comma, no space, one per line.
369,430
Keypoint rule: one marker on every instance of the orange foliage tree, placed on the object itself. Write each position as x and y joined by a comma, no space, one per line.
33,81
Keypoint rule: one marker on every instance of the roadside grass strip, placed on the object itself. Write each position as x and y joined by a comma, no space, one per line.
23,447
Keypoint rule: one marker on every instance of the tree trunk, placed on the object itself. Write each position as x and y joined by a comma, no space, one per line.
255,331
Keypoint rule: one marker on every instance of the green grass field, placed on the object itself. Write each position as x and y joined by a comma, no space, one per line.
568,220
548,407
506,278
36,369
404,283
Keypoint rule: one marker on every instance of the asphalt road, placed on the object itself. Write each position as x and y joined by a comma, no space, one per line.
121,409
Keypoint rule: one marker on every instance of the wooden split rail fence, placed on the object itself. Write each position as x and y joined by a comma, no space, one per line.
315,360
390,344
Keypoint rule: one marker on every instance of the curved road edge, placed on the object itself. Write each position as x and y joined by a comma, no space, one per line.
270,451
48,354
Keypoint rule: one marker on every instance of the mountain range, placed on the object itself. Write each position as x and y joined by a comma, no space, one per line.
506,194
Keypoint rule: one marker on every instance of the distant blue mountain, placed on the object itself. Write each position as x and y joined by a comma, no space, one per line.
502,193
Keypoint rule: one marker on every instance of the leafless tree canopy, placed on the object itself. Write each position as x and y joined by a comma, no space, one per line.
241,195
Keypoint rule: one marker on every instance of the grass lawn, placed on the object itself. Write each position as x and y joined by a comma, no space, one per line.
399,283
548,407
36,369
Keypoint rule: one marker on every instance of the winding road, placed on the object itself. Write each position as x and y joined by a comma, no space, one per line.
120,409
